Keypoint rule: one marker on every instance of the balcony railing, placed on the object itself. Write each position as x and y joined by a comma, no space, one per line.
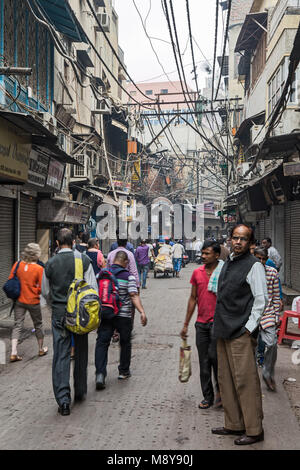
279,11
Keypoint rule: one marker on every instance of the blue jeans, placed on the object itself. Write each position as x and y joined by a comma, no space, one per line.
105,331
143,271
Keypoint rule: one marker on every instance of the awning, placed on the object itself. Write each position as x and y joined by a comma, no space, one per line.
257,119
281,145
27,124
50,148
252,29
61,15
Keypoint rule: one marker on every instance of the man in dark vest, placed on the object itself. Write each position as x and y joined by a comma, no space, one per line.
241,300
58,275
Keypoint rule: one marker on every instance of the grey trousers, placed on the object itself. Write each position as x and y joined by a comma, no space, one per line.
269,337
36,317
62,362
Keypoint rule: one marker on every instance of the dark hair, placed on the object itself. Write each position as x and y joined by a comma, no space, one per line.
92,242
121,256
221,241
212,244
85,236
251,239
65,237
268,240
261,251
122,242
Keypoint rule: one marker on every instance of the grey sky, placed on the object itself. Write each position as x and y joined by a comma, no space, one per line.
139,56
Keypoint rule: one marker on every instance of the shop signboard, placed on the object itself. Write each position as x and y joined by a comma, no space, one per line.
51,211
14,153
38,169
56,173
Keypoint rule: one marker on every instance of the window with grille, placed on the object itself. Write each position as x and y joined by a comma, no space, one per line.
276,85
80,171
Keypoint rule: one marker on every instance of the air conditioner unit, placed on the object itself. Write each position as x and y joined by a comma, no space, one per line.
49,122
257,133
99,3
81,171
101,107
242,168
92,157
104,20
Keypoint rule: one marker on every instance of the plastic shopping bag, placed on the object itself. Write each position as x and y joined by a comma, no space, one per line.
185,367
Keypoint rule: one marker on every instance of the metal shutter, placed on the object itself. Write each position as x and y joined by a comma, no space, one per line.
28,210
267,233
295,252
6,244
261,230
287,243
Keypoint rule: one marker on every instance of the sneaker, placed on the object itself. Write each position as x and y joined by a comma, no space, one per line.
124,376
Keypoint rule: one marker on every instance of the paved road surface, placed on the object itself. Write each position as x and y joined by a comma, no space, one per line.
152,410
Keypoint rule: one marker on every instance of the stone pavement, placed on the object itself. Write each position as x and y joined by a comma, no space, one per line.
150,411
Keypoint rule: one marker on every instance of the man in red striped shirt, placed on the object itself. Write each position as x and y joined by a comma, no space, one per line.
269,319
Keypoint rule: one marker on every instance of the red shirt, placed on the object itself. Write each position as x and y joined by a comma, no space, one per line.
206,299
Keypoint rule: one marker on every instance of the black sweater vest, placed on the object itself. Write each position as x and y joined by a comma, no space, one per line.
234,297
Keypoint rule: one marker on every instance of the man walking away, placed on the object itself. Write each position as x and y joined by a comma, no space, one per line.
58,275
121,322
206,300
241,300
269,320
272,252
115,245
143,262
177,252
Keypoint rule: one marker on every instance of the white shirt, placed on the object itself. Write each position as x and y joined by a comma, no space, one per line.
256,279
198,245
275,256
177,250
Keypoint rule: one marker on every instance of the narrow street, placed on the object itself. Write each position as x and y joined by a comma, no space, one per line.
150,411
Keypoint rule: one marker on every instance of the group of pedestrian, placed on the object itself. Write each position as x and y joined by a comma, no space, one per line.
49,285
238,299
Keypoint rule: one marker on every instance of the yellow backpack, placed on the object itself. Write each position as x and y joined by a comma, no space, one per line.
83,305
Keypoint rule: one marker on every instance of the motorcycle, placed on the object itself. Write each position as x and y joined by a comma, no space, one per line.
198,257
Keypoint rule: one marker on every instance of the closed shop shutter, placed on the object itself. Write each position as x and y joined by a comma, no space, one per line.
295,252
261,230
287,243
28,210
6,244
267,233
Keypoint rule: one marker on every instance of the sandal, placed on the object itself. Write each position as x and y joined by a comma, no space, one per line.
204,405
43,351
15,358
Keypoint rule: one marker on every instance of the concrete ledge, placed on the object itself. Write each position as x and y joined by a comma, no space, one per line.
6,320
289,295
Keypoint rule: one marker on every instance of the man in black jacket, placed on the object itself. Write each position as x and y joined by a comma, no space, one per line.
241,300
